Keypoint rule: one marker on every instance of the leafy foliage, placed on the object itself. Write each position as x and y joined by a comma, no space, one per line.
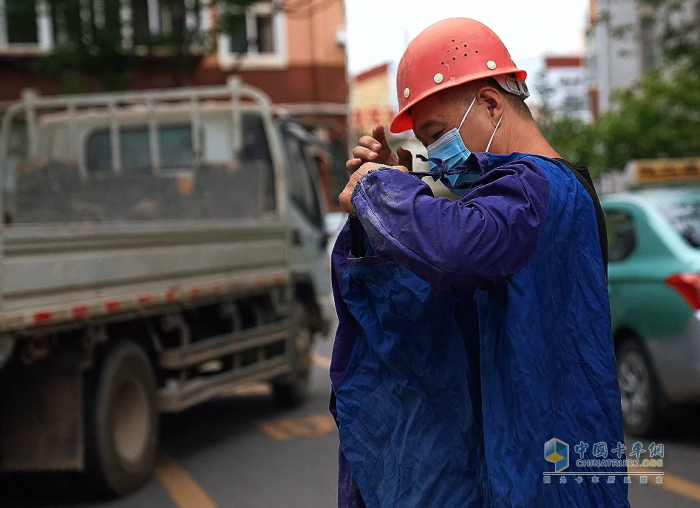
564,127
680,22
658,119
575,140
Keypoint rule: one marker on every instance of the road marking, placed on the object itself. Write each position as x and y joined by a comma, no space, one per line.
310,426
180,486
252,389
673,483
185,492
321,361
681,486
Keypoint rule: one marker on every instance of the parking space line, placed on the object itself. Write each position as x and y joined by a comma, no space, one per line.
681,486
675,484
180,486
321,361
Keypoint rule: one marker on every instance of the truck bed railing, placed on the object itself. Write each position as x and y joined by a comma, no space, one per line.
232,95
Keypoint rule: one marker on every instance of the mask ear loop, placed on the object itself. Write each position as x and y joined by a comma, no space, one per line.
465,114
494,133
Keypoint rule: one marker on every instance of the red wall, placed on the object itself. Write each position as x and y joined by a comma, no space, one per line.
293,84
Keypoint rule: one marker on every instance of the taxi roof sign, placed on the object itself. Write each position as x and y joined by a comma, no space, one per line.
663,172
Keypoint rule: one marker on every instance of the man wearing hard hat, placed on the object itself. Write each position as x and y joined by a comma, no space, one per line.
473,364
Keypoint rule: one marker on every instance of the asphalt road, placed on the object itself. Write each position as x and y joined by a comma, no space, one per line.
241,452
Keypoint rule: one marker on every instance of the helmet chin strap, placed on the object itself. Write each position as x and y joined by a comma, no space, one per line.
494,133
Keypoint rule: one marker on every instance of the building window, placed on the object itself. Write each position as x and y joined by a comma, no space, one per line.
25,26
257,39
21,22
43,24
140,22
67,23
648,42
172,17
162,20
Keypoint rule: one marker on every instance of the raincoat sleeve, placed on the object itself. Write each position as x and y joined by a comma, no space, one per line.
348,493
488,235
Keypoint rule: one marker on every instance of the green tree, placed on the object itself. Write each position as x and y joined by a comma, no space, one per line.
575,140
562,125
660,116
658,119
680,28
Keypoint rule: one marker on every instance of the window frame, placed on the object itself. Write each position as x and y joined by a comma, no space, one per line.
254,60
291,131
648,42
47,37
609,210
44,35
162,171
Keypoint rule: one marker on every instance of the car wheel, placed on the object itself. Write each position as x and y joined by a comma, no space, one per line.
294,389
122,423
640,392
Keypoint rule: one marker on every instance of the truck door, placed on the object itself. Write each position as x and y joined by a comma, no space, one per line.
306,213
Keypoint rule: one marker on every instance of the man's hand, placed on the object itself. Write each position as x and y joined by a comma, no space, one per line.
375,148
345,196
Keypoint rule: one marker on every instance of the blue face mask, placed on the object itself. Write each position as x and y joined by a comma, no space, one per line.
451,150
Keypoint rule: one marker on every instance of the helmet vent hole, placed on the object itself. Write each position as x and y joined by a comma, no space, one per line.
456,48
453,40
453,58
442,63
465,45
476,52
465,54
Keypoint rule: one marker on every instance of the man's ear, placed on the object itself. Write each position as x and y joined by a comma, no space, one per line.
494,102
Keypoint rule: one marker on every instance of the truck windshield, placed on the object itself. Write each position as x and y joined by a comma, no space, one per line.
685,218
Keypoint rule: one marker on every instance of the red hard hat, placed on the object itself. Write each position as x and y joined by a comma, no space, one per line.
449,53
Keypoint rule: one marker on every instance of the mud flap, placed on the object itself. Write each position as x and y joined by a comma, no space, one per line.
41,424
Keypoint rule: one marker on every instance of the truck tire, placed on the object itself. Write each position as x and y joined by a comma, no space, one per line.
640,391
294,389
121,423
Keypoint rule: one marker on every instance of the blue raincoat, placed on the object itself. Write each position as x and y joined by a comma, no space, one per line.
471,334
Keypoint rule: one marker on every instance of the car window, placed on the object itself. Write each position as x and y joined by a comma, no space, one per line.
301,184
176,151
685,219
622,236
256,154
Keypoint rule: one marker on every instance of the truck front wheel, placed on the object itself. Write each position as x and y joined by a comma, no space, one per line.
122,422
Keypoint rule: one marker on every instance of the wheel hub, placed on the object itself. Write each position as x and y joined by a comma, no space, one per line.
131,421
635,386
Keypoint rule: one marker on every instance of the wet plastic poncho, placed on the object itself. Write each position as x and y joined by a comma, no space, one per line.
471,334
